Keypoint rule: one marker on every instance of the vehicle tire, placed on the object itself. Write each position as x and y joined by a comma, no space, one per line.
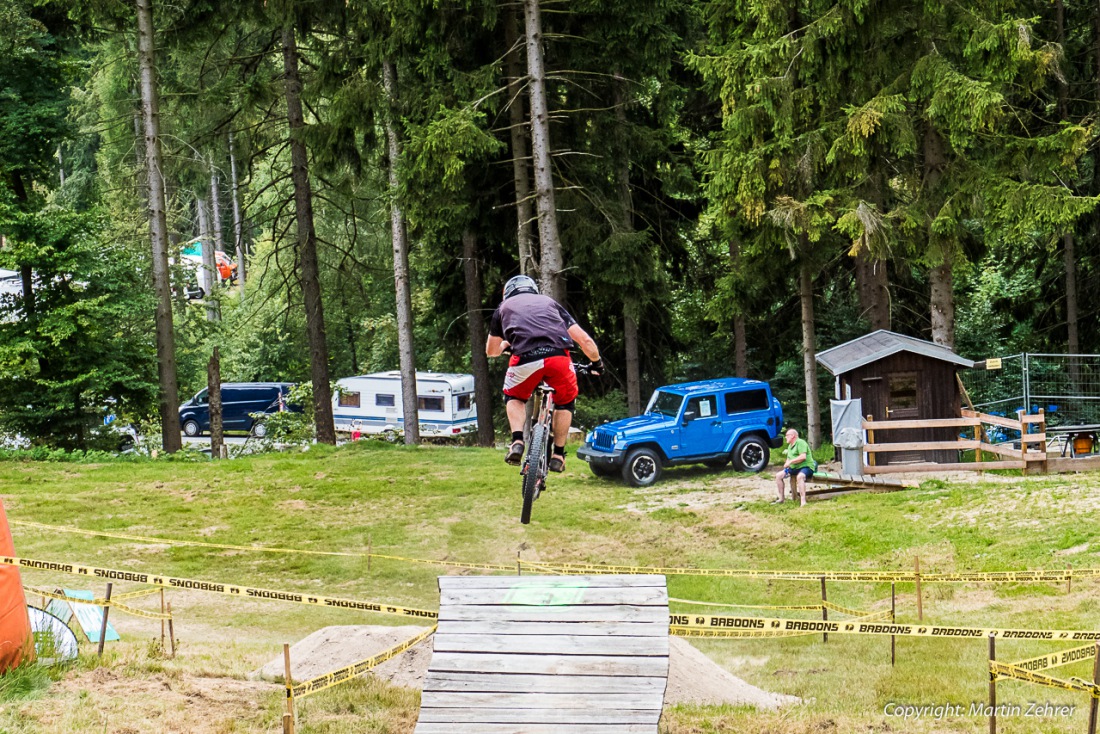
642,468
751,454
531,478
259,429
603,471
191,429
716,463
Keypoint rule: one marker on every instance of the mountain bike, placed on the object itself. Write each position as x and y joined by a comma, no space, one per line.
536,464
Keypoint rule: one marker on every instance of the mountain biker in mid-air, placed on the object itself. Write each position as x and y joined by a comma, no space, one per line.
539,333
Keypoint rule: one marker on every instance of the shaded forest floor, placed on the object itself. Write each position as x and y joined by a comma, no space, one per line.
461,504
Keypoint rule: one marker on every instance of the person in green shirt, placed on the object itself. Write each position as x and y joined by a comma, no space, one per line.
799,466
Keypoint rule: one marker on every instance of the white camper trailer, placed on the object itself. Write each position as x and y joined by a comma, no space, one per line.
445,403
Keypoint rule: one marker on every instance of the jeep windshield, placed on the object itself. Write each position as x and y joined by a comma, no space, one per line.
665,403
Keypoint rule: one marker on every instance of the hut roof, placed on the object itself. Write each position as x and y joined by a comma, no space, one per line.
878,345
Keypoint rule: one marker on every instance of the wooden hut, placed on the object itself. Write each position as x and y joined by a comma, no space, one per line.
900,378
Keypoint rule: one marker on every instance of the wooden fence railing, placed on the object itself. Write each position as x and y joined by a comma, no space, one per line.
1032,430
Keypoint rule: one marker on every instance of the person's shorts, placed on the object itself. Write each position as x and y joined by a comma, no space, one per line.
804,471
521,379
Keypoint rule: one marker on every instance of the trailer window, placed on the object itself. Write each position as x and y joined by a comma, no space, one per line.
385,401
462,402
349,400
430,403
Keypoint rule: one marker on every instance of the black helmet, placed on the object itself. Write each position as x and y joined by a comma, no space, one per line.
520,284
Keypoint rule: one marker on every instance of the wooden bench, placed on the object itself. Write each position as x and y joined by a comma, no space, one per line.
541,654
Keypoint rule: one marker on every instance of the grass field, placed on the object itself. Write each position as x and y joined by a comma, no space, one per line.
462,504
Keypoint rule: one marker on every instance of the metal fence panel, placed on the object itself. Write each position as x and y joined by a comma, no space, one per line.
1065,386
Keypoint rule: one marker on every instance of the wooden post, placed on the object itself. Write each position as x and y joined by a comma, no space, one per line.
1094,705
162,648
1043,430
171,631
920,601
214,398
824,611
893,619
289,691
103,626
1069,578
519,568
992,687
1023,439
870,442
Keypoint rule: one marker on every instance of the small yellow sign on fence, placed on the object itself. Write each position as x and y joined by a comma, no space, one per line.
993,364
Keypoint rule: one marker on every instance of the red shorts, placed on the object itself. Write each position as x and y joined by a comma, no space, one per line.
521,379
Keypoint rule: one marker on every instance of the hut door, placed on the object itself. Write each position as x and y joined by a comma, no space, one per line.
902,404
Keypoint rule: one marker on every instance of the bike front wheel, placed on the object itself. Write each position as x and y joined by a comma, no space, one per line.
536,471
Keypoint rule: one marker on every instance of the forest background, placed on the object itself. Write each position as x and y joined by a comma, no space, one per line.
712,187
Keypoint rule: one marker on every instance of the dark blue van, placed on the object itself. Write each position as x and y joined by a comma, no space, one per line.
239,401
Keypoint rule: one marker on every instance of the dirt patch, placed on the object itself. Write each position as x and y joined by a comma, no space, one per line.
694,678
174,703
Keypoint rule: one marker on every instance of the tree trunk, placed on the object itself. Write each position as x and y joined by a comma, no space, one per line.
941,277
399,232
158,231
553,266
521,167
216,210
740,346
214,398
483,394
874,290
1069,255
809,349
26,273
631,301
238,233
209,262
307,245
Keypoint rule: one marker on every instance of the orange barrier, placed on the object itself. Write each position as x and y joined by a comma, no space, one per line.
16,642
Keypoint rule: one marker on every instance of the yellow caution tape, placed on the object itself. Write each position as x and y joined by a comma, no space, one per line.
261,549
217,587
720,626
1057,659
844,610
1006,671
134,611
136,594
733,634
343,675
800,608
1051,575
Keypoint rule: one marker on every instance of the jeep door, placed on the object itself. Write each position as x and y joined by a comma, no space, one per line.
701,429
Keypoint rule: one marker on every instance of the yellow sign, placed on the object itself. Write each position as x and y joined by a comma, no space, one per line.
993,364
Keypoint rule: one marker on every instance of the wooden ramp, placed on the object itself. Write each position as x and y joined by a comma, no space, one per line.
541,654
841,483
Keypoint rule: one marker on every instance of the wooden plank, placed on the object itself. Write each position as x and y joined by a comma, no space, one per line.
504,683
645,667
961,445
609,581
552,644
996,420
599,701
1034,418
537,716
930,423
557,597
967,466
1084,463
479,728
507,612
563,627
1034,438
1002,450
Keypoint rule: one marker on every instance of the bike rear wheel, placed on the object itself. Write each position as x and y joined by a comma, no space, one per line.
536,470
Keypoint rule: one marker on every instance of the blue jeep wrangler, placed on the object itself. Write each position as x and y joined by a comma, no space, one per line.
710,422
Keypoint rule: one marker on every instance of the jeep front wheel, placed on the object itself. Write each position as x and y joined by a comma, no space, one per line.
750,455
642,468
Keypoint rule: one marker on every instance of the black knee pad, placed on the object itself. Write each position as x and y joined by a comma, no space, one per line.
571,406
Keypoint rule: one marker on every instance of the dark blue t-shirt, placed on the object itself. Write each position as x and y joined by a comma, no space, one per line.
532,324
